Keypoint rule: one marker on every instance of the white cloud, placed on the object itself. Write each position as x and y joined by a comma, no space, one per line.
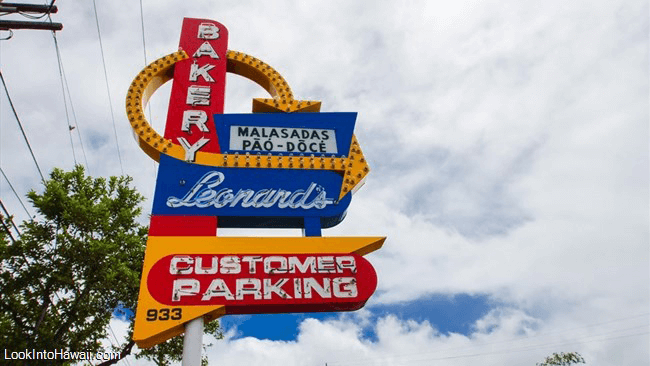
504,336
508,142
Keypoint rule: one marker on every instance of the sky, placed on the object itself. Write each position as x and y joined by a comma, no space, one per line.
508,146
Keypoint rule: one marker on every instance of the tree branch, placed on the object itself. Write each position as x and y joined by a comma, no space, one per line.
45,306
125,352
72,314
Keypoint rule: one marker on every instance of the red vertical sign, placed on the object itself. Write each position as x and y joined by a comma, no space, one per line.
199,86
197,93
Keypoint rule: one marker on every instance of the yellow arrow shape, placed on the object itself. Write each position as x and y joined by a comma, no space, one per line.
353,166
148,333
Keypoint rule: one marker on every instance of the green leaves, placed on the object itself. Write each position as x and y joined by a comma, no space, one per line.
562,359
73,265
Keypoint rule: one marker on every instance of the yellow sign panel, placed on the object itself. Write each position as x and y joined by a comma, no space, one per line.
159,320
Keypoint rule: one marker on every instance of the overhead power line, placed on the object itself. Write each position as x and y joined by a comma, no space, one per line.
8,215
144,52
69,126
64,86
407,360
144,43
7,230
14,190
517,344
22,130
23,9
108,89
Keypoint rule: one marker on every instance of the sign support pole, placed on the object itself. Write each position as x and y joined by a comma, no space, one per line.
193,342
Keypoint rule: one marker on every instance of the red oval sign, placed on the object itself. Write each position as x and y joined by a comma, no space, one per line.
267,283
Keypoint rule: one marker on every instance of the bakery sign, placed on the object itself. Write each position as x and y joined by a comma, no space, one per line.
286,165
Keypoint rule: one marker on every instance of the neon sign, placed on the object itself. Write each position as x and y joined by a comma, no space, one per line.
284,166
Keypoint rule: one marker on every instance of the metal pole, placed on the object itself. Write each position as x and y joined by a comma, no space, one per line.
192,342
28,8
20,24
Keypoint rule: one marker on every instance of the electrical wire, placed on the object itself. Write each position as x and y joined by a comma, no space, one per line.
28,264
65,106
64,81
144,52
525,349
25,260
15,193
7,230
144,48
118,342
530,346
64,87
108,90
4,209
74,118
11,34
35,17
29,16
560,331
65,102
510,350
22,130
40,284
144,43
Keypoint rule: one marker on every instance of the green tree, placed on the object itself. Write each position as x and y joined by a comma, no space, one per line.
562,359
63,277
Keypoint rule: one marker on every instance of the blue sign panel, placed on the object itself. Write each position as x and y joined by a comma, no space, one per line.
249,197
320,134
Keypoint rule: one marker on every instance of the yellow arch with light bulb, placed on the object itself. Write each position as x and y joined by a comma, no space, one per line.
354,167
